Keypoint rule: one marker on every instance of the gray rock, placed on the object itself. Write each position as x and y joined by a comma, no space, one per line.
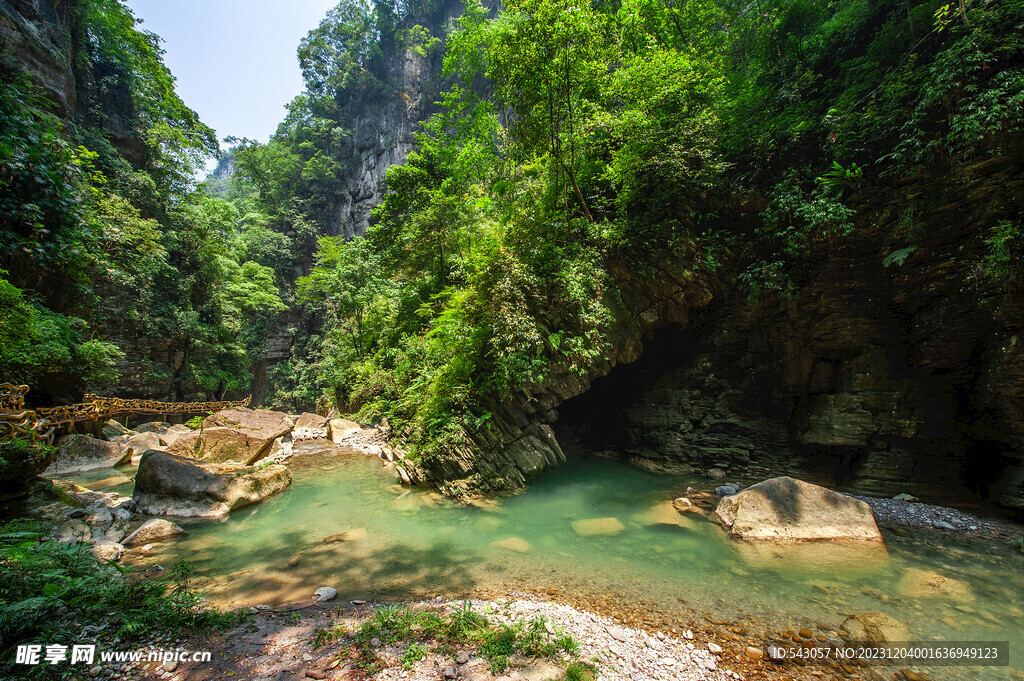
139,444
462,657
716,474
450,672
101,516
238,435
726,491
158,427
785,509
942,525
112,430
83,453
904,497
325,593
178,486
173,434
153,530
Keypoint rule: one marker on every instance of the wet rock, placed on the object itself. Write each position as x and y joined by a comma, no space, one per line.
151,531
917,583
513,544
716,474
83,453
348,535
725,491
684,505
325,593
598,526
178,486
785,509
239,435
874,627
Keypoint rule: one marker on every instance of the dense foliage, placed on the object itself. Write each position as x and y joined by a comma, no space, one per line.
50,591
106,247
573,140
601,133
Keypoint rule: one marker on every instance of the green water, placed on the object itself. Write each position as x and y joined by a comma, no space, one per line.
661,568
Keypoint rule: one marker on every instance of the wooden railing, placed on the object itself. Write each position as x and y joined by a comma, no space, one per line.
42,424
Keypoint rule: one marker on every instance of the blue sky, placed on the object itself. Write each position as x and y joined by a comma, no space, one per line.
234,60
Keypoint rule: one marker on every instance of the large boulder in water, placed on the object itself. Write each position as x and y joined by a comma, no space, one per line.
172,485
83,453
239,435
785,509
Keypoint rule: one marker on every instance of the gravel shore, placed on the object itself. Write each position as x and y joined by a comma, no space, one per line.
896,513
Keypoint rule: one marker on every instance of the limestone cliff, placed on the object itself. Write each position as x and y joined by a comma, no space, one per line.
39,35
879,375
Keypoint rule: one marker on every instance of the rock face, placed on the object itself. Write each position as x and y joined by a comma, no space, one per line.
239,435
83,453
342,428
784,509
177,486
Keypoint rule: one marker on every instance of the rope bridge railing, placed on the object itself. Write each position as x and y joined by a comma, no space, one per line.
40,425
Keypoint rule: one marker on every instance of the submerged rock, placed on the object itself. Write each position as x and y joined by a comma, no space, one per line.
238,435
874,628
83,453
348,535
684,505
172,485
513,544
598,526
917,583
785,509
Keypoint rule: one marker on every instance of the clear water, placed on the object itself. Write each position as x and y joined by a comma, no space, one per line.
661,569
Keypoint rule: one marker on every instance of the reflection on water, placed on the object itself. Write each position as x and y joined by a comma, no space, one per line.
632,555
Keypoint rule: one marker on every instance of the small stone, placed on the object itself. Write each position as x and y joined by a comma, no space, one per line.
715,648
688,635
904,497
716,474
754,653
170,666
306,657
710,665
450,672
668,662
617,651
942,525
806,633
358,602
325,593
375,642
462,657
95,671
618,633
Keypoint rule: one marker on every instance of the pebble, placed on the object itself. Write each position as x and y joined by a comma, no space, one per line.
462,657
450,672
715,648
618,633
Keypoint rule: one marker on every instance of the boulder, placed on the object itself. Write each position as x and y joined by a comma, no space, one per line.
661,513
785,509
112,430
309,426
156,427
342,428
598,526
172,485
325,593
172,434
138,444
151,531
726,490
107,551
83,453
874,628
239,435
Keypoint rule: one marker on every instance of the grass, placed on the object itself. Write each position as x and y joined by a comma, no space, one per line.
431,630
49,591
